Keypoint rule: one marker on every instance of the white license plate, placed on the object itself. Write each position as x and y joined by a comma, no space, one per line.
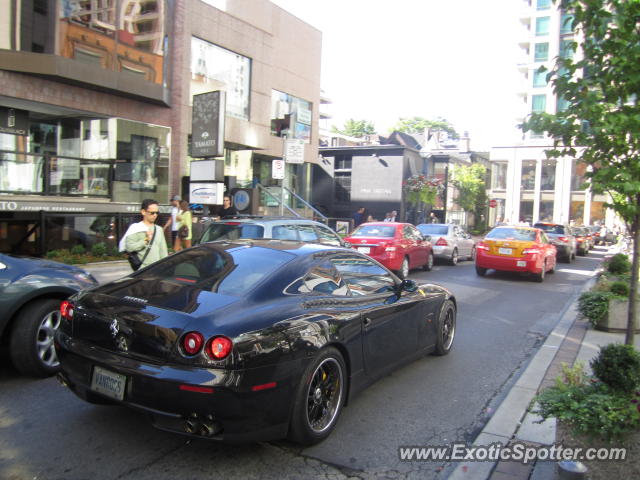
364,249
505,251
521,263
108,383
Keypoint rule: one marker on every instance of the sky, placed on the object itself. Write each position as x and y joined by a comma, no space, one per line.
454,59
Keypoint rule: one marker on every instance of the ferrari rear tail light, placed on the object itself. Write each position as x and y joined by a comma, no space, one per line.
442,242
482,246
66,310
219,347
192,342
563,239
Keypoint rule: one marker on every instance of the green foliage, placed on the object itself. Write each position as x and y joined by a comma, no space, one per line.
620,288
51,254
78,250
601,122
419,189
99,249
589,407
470,183
594,305
356,128
618,264
419,124
618,366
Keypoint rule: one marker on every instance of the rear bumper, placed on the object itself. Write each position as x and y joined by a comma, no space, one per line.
530,263
442,252
232,413
563,250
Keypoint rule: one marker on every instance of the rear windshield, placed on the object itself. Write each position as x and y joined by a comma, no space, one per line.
230,271
427,229
375,231
512,234
231,231
558,229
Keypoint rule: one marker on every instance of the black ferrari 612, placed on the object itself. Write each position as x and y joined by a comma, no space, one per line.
248,341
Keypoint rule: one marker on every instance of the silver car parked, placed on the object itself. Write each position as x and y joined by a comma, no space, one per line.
449,241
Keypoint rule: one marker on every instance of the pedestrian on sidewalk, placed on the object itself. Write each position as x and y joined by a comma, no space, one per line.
228,210
145,238
172,221
185,227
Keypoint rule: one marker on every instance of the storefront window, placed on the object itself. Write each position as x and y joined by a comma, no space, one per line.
71,176
216,68
548,175
578,170
528,175
290,116
499,176
546,211
526,211
577,211
21,173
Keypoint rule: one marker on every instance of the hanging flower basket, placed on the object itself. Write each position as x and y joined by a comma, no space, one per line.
419,189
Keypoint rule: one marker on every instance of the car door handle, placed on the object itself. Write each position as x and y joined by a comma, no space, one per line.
366,322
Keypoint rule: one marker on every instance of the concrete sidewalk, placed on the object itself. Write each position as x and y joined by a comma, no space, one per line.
571,340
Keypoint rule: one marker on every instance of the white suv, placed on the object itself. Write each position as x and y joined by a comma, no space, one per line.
299,229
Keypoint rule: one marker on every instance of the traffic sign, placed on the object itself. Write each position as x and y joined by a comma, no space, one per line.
294,150
493,203
277,169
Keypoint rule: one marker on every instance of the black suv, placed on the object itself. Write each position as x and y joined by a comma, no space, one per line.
562,237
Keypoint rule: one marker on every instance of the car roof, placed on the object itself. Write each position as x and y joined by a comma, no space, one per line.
292,220
290,246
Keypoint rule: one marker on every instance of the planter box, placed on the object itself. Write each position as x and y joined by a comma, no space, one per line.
616,321
604,469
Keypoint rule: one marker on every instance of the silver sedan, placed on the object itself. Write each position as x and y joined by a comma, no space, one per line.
449,241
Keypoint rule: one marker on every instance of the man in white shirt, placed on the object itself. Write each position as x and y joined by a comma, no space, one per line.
175,210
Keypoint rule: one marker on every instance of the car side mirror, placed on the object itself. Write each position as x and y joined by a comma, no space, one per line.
409,285
427,237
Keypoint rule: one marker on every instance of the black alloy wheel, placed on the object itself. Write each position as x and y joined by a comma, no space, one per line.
446,328
319,398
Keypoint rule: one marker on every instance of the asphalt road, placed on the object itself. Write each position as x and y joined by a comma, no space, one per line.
47,433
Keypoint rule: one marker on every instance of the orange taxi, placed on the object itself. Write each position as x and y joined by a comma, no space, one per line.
516,249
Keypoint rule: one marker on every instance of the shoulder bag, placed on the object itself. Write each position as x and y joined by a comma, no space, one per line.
134,257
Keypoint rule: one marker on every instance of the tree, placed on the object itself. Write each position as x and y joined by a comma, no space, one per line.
471,186
600,125
356,128
419,124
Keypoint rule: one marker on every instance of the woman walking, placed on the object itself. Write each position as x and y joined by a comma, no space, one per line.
185,225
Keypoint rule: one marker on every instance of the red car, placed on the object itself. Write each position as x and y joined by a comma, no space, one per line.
398,246
516,249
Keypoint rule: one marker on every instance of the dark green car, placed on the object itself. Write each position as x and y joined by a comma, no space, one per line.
31,290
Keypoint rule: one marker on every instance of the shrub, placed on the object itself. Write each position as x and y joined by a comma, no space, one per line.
620,288
589,407
619,264
594,305
78,250
618,366
99,249
52,254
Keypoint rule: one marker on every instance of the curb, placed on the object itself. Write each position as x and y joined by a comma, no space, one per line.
508,417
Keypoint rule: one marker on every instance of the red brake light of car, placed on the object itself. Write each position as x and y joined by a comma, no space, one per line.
441,242
192,342
530,250
232,223
563,239
482,246
66,310
219,347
